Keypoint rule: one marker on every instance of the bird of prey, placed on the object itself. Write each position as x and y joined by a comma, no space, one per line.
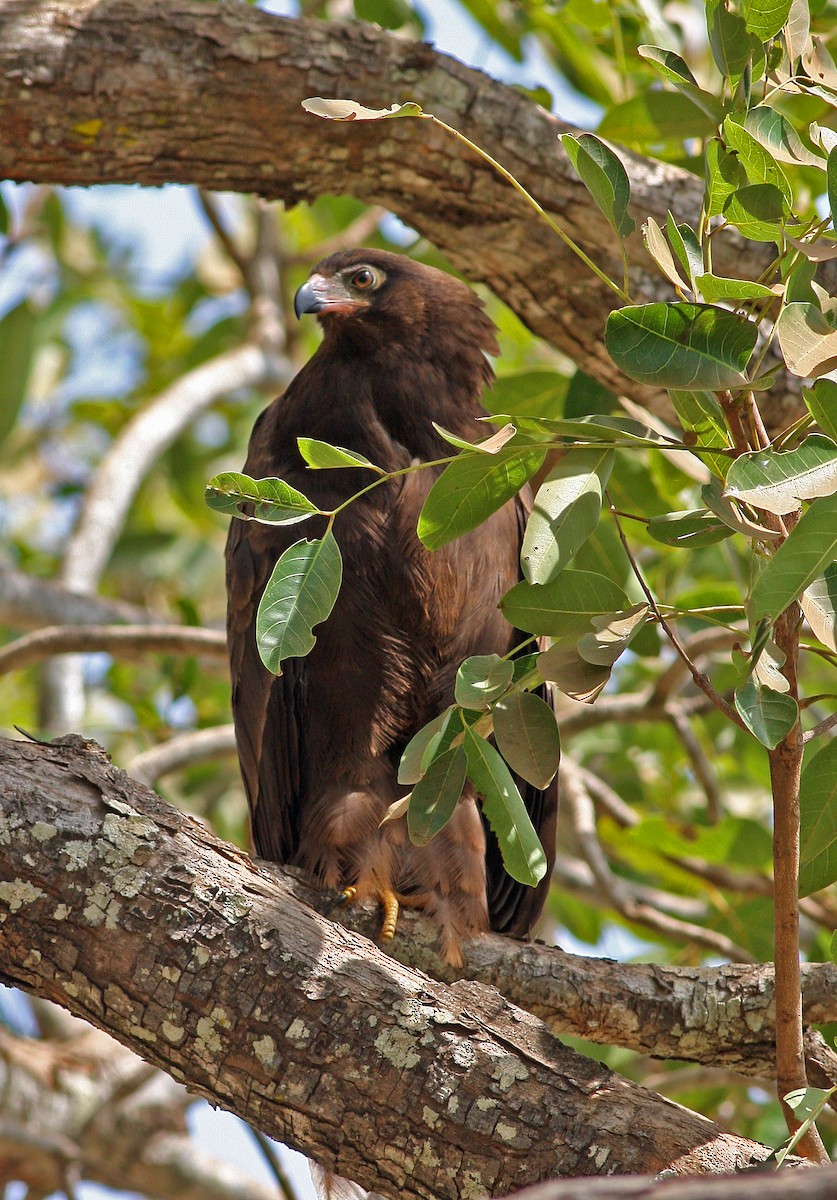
403,345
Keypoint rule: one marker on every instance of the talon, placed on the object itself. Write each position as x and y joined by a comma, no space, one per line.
346,897
389,903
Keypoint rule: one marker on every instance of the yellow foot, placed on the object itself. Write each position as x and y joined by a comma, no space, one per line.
389,903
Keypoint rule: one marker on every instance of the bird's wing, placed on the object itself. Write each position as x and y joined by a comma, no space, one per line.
513,907
268,710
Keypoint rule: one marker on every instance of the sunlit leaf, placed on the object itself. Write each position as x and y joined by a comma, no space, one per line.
672,68
779,137
724,176
602,173
350,110
831,183
818,820
323,457
769,716
700,413
489,445
470,489
300,594
435,796
686,246
696,527
681,345
808,342
481,679
733,45
654,117
564,513
819,604
716,287
503,808
614,632
659,249
778,481
273,501
562,608
809,549
528,393
410,768
758,162
527,736
821,400
757,211
765,18
728,512
563,665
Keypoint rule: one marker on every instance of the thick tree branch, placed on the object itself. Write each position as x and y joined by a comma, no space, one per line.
152,91
137,918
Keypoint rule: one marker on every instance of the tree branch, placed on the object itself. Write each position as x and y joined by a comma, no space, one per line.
232,80
138,919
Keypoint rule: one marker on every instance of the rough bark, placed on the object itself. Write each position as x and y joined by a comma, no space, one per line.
807,1185
135,917
153,91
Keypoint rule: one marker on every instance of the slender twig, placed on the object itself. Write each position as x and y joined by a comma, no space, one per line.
822,727
231,249
700,679
128,641
700,763
182,751
354,234
272,1159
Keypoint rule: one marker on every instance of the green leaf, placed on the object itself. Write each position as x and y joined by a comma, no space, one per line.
481,679
723,507
733,46
274,501
700,413
324,457
681,345
411,766
594,429
489,445
350,110
724,176
765,18
822,405
818,820
470,489
527,736
757,211
503,808
809,549
565,512
300,594
435,796
564,607
759,163
17,348
769,716
605,178
716,287
831,185
655,117
696,527
659,249
808,342
572,674
779,137
778,481
686,246
819,604
672,68
614,633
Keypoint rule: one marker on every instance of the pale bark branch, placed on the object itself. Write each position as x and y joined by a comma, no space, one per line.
27,602
127,641
81,101
135,917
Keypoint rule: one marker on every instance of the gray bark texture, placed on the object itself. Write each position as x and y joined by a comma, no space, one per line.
138,919
155,91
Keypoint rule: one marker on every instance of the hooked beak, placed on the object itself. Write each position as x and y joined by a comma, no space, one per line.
321,295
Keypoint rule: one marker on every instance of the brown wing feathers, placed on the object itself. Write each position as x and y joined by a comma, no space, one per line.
404,345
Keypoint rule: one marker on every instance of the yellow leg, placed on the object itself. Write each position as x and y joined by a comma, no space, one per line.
347,896
389,903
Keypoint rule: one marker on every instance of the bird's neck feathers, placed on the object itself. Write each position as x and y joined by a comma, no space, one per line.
405,381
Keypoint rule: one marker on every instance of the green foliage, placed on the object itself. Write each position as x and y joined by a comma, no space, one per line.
300,593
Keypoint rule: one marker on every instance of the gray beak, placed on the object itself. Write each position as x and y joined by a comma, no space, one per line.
326,295
306,300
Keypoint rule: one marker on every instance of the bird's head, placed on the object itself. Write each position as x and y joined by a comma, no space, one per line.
372,298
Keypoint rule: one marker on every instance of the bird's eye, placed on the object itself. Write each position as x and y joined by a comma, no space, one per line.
363,279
